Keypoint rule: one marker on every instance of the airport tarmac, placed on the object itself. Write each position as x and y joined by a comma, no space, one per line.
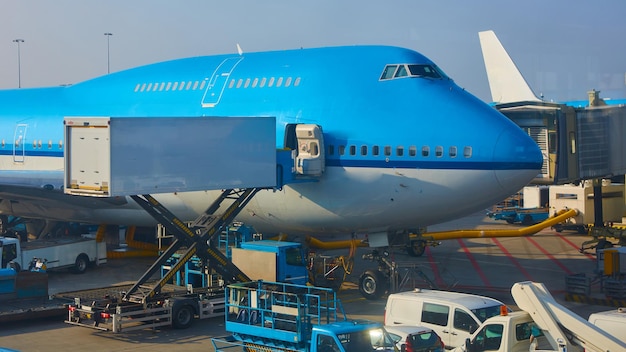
486,266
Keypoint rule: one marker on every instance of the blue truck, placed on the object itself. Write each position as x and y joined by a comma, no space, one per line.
271,316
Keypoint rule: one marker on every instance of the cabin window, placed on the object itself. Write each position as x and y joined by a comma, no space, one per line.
168,86
439,151
412,150
388,72
387,150
137,87
263,80
149,87
231,84
143,87
342,149
188,85
297,82
175,85
182,85
400,151
363,150
375,150
425,151
271,82
352,150
247,84
161,86
467,152
255,82
288,82
239,83
452,152
279,82
202,84
195,85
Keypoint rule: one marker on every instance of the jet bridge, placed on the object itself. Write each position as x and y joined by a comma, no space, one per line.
136,157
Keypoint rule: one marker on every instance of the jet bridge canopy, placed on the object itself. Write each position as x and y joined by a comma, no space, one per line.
115,156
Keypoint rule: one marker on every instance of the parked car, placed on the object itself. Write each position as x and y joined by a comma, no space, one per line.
411,338
453,316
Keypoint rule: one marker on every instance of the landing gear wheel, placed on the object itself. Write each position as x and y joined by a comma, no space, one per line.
80,266
182,317
417,248
372,284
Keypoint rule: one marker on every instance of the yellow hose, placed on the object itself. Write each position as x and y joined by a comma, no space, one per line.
315,243
561,216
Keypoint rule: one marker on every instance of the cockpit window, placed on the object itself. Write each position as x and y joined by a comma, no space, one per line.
412,70
401,72
424,70
388,72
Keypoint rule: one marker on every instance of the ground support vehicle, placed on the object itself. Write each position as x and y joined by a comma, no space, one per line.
152,304
24,295
555,327
524,216
76,253
270,316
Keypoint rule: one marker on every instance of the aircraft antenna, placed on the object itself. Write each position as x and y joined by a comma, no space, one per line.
239,50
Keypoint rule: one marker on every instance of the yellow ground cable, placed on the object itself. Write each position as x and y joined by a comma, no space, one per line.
561,216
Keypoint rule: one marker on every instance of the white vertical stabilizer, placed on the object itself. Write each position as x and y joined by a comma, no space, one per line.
505,80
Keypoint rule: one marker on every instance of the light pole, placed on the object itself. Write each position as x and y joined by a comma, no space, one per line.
108,52
19,64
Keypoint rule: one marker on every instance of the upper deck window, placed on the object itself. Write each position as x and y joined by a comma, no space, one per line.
411,70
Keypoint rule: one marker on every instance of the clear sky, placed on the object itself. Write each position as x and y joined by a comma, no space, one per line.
563,47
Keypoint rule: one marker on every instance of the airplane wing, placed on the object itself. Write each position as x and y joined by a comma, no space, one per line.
506,82
31,195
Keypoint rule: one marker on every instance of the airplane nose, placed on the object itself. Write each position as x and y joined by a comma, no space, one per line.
519,156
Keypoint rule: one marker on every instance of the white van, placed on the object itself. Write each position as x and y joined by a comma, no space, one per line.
613,322
453,316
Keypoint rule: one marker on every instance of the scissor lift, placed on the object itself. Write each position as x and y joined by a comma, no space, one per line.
238,156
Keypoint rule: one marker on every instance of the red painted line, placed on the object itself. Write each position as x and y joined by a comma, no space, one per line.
438,279
512,259
556,261
575,246
474,263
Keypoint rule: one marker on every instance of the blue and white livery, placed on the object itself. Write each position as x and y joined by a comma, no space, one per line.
398,145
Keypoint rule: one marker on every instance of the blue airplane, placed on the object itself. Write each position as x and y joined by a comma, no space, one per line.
397,144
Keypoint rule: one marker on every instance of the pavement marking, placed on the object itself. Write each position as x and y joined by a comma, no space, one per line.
433,265
472,260
513,260
575,246
549,255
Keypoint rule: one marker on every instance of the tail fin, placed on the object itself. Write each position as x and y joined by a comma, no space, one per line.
506,83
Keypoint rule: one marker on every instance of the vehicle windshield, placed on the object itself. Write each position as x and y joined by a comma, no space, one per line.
487,312
367,340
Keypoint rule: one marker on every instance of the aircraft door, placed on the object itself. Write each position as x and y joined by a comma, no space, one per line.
218,81
310,143
19,142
